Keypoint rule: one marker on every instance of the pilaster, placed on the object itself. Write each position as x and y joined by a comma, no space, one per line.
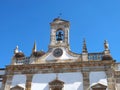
3,83
84,56
8,82
86,83
110,80
29,81
117,77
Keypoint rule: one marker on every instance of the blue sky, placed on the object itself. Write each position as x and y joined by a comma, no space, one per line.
24,21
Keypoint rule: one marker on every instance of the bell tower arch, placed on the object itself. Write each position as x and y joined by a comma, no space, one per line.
59,33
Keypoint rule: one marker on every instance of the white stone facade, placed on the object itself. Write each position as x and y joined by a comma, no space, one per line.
59,68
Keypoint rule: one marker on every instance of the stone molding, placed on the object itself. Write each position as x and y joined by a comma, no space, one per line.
59,67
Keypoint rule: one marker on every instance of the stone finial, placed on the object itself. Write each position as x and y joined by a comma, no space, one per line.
16,50
34,47
84,49
106,45
18,53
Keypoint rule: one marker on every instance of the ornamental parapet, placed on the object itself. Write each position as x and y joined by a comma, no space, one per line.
95,56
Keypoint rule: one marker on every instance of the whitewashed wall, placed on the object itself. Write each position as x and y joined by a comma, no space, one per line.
98,77
19,80
73,81
40,81
65,56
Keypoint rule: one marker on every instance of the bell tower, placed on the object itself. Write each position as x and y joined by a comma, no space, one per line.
59,33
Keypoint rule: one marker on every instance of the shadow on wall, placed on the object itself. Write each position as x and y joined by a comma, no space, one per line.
46,88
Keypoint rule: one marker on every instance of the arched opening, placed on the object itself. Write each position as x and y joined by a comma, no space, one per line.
60,35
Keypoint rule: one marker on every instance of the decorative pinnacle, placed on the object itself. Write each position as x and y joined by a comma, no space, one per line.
84,50
106,45
16,50
34,47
